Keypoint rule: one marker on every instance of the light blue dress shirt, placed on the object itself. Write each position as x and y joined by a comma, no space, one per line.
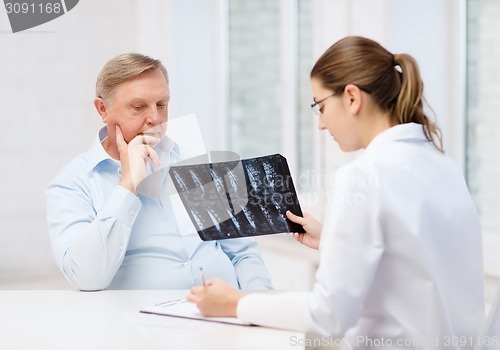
103,236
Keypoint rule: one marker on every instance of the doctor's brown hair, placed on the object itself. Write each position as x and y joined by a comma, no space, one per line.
122,68
393,81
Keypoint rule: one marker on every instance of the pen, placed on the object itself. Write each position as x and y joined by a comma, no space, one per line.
202,277
171,302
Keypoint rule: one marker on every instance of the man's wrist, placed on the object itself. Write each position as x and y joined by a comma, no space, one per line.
128,184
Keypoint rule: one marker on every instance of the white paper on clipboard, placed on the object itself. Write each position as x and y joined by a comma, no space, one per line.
184,309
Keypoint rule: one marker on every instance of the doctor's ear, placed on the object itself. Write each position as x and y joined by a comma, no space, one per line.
101,108
353,98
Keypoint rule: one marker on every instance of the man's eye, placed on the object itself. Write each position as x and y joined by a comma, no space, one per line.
321,109
138,108
161,105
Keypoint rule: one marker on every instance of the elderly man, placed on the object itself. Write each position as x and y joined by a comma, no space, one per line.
107,230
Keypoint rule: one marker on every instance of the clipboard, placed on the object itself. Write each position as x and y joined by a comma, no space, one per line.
184,309
238,198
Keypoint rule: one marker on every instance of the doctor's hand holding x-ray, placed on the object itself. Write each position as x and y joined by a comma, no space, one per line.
312,227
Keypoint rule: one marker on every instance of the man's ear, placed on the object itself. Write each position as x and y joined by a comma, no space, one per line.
100,106
353,98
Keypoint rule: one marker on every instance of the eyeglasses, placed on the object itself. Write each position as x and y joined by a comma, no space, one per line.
315,106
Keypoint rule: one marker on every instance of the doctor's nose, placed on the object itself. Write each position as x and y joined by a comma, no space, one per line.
321,124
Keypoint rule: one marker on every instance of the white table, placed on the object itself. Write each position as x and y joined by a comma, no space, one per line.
42,319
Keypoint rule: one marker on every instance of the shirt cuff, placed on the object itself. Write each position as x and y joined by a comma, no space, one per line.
123,205
286,310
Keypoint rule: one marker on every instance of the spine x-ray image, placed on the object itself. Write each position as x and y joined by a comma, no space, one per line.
238,198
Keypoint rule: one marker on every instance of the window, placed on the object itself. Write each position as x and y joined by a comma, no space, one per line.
269,61
483,106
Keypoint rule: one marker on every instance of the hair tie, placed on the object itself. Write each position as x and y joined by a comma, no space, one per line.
395,62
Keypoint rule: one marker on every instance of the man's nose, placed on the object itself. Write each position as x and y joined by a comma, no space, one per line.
154,116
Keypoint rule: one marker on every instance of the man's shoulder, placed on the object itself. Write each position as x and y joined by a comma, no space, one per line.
85,162
73,168
77,164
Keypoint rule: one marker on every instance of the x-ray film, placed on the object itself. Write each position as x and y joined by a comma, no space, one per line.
239,198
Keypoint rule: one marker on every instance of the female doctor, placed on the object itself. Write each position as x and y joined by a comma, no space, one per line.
400,248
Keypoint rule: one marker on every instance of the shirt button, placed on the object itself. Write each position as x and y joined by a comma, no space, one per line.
132,212
185,264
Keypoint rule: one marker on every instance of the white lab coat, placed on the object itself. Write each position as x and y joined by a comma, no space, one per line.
400,255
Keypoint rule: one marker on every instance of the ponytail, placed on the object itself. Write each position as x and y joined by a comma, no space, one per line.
410,102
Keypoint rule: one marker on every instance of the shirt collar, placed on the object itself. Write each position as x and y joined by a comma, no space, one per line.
401,132
97,154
